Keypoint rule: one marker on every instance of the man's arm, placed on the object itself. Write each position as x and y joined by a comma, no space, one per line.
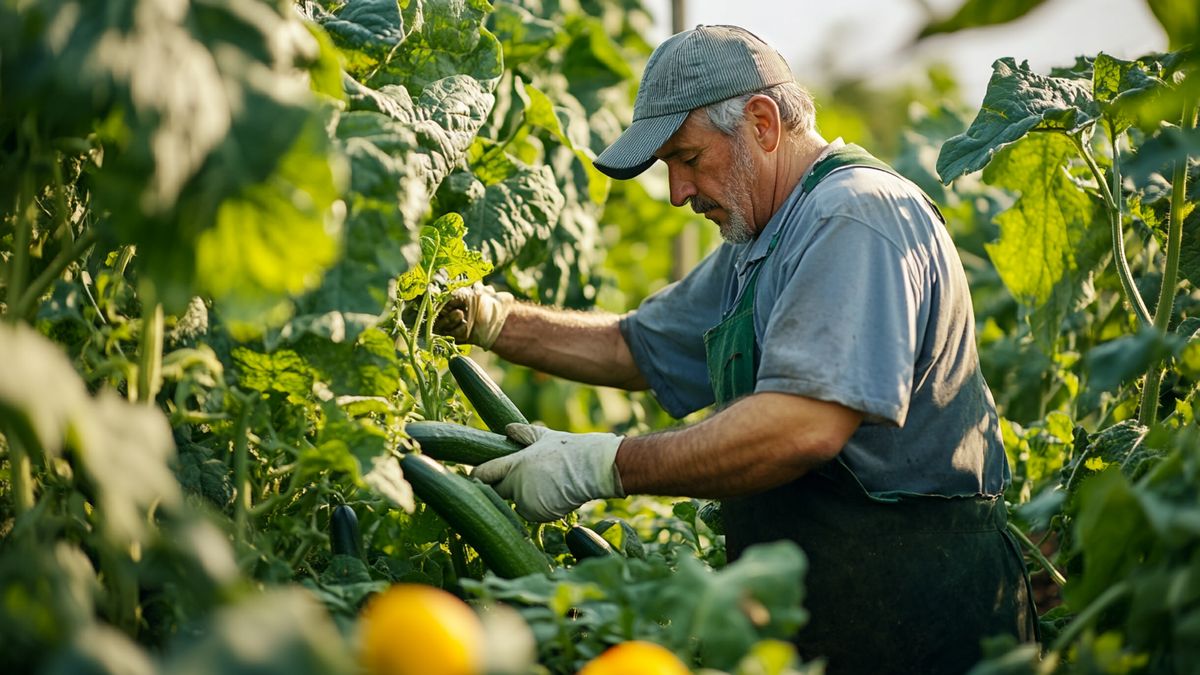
582,346
760,442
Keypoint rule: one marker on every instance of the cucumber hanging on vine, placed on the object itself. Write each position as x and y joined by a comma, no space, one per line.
344,535
495,408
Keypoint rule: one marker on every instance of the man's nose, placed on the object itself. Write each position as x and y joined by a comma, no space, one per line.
681,189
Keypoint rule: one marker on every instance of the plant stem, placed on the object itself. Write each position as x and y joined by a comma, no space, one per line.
1090,614
22,476
19,264
127,253
1113,206
1055,575
1166,293
241,472
122,590
150,363
65,257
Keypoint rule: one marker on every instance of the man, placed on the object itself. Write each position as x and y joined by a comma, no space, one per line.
834,333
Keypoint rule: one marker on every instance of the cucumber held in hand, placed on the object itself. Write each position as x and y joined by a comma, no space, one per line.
501,543
584,543
344,537
448,442
495,408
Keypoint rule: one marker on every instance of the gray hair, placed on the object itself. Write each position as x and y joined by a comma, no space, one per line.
796,109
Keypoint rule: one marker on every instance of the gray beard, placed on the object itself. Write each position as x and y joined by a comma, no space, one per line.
738,229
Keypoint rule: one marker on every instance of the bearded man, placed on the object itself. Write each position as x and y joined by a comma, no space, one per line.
834,334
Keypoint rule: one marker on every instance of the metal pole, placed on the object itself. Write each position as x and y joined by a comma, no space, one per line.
685,248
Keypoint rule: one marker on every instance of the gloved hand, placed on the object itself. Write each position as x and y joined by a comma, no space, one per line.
474,315
556,473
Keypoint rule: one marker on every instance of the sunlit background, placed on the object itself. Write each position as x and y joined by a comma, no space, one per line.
827,41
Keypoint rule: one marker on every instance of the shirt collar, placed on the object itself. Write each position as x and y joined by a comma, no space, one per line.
756,249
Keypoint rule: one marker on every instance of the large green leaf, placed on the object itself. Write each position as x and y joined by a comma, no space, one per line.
363,451
1180,19
541,113
1017,101
980,13
445,259
1051,238
592,62
1117,362
505,218
399,151
1122,88
236,144
1109,512
272,238
767,577
524,36
365,366
365,32
450,40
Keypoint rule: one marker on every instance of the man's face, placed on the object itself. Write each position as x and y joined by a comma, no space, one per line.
715,174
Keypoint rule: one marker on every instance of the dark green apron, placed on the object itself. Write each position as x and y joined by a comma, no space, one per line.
909,585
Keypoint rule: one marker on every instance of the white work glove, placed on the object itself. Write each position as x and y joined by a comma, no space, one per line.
556,473
474,315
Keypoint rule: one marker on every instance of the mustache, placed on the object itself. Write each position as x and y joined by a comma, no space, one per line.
700,204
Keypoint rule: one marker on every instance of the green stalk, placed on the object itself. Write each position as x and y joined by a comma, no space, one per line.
241,464
1055,575
1166,293
64,258
1113,206
150,363
122,590
22,476
127,253
428,393
19,264
1090,613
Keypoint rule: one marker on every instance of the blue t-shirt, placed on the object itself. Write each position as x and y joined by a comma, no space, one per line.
864,302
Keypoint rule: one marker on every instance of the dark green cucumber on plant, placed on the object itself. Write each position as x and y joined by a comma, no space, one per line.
448,442
344,536
584,543
495,408
501,544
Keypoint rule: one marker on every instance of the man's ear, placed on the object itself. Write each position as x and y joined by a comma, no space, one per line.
765,124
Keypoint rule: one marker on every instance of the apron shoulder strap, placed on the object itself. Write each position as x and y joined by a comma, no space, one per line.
855,155
847,155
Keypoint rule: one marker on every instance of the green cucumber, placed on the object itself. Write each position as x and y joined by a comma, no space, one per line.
344,537
500,543
495,408
495,498
585,543
448,442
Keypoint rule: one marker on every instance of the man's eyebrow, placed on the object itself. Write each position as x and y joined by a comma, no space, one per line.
672,154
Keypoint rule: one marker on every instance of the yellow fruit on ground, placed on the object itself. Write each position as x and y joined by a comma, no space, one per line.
635,658
413,629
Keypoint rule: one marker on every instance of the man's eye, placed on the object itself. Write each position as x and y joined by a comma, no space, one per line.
692,161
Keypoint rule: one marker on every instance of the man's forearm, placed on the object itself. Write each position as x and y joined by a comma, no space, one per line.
758,443
582,346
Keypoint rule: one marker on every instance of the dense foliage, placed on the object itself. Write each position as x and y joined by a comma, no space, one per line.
226,226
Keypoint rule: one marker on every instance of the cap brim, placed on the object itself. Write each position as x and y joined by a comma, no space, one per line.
633,152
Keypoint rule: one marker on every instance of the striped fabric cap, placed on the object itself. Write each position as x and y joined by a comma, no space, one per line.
690,70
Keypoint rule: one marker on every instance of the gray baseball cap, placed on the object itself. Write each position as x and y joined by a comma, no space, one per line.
690,70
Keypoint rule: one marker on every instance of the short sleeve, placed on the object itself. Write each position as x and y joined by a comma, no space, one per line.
666,334
844,325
